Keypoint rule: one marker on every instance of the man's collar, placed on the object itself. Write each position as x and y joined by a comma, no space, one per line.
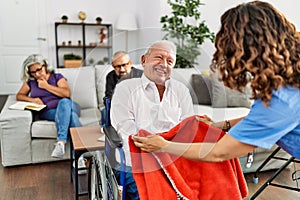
146,82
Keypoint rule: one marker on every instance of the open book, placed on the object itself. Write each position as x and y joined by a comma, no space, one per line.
23,105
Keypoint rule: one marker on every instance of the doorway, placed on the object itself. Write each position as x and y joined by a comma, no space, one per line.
23,31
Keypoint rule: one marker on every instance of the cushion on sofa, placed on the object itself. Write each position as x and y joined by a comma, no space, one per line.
43,129
223,96
201,85
210,90
184,75
81,86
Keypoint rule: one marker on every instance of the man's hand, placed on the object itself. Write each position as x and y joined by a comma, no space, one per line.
151,143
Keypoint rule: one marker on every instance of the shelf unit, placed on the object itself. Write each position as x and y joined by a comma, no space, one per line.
84,47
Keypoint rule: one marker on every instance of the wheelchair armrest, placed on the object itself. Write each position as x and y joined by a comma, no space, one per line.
113,137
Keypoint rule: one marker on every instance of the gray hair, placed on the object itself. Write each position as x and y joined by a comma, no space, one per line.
164,43
119,54
30,60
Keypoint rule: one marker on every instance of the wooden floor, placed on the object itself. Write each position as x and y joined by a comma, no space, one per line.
51,181
275,193
40,182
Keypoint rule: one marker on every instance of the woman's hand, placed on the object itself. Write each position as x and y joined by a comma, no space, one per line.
38,101
151,143
42,83
209,121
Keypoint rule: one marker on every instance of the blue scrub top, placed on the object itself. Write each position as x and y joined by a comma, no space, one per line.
277,124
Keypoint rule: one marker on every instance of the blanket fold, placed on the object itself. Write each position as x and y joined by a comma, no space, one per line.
166,176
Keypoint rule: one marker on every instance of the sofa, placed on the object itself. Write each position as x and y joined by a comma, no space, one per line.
26,140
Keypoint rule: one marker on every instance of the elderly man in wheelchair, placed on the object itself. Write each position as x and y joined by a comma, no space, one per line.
155,103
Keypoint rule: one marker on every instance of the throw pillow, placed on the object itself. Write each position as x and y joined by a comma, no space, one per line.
201,85
225,97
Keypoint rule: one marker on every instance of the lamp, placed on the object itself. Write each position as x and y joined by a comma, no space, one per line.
126,22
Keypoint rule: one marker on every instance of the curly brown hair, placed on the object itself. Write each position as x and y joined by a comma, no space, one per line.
256,39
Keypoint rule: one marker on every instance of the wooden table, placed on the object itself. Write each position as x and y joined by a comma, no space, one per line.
83,139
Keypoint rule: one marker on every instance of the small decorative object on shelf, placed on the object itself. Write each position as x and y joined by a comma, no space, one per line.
104,61
82,15
93,44
98,20
102,35
64,18
91,61
87,42
72,61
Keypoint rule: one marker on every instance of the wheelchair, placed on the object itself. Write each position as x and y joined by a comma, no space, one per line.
103,184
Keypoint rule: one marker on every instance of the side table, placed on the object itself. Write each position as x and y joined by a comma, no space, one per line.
83,139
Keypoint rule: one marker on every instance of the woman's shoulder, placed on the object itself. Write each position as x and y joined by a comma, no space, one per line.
289,95
57,76
287,92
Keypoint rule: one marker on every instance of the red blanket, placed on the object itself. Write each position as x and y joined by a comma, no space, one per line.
165,176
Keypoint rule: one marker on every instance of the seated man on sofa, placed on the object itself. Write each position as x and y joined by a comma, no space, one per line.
123,69
154,102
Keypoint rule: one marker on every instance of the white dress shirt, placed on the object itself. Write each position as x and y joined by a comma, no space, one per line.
136,105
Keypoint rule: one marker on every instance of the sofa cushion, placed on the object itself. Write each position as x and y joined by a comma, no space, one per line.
220,114
225,97
42,148
201,85
47,129
43,129
82,85
184,75
90,117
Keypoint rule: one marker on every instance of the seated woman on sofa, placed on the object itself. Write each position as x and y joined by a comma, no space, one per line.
255,39
42,86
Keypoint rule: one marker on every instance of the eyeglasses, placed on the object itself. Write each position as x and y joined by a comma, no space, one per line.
37,70
122,65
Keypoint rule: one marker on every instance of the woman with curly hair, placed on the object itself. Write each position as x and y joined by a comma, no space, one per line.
256,44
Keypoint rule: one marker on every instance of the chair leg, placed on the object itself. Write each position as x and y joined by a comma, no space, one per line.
255,179
268,182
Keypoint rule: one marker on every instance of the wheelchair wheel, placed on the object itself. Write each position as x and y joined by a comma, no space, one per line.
95,182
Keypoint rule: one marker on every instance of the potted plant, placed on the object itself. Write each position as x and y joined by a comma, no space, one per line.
64,18
72,61
104,61
98,20
186,35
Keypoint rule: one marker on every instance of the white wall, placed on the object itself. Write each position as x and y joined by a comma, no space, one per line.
148,13
213,9
108,10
